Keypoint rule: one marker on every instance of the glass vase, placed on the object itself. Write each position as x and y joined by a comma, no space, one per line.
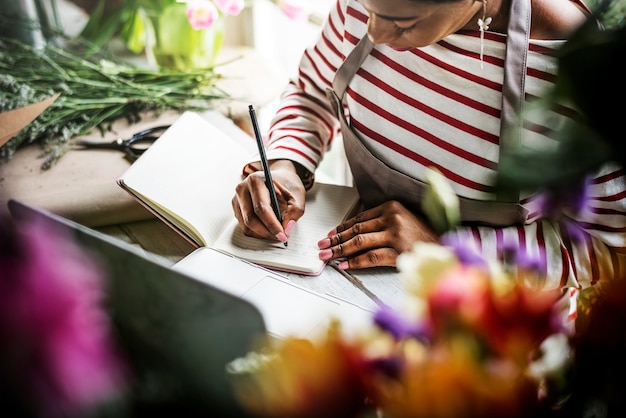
172,43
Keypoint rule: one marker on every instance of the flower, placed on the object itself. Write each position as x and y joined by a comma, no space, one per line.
293,9
302,380
470,350
201,14
57,348
230,7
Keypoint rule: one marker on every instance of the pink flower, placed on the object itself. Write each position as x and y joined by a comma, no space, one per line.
512,322
230,7
294,9
56,340
202,14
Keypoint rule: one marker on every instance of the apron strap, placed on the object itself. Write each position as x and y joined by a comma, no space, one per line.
351,65
514,83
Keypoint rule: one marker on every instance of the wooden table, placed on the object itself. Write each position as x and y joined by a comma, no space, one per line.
366,288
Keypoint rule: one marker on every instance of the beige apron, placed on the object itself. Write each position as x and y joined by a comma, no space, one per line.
377,183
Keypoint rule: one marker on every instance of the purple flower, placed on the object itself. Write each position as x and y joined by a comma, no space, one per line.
464,250
399,327
553,201
56,342
521,258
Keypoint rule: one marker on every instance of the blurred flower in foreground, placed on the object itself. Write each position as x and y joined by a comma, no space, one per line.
468,344
302,380
57,355
599,346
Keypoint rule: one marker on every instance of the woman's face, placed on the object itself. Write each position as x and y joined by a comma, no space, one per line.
404,24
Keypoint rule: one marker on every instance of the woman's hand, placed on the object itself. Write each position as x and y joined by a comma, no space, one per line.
252,205
375,237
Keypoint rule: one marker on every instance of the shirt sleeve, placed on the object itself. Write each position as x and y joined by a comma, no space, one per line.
304,126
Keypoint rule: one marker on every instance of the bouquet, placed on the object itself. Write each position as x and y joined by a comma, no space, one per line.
472,341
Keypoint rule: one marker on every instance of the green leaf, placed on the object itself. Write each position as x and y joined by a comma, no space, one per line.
94,93
102,27
580,151
134,32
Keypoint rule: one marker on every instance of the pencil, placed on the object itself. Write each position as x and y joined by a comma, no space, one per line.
266,168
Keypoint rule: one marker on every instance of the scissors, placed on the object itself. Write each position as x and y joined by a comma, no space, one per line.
133,147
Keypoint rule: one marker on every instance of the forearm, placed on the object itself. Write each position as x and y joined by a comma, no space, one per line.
302,129
305,125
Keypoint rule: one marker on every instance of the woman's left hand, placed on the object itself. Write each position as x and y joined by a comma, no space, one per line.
375,237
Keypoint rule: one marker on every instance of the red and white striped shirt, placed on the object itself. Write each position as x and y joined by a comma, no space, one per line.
437,107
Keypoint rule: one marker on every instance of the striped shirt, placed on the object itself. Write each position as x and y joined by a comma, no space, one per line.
438,107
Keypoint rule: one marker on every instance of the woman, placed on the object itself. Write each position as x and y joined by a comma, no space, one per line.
428,83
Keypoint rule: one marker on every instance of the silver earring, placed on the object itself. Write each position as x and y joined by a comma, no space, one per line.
483,25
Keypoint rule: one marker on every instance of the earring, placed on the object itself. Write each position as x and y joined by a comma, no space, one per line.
483,25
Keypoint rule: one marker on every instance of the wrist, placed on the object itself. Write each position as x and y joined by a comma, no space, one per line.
307,177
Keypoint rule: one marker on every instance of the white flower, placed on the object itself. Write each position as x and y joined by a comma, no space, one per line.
423,265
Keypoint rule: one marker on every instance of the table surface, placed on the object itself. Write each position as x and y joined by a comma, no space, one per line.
368,288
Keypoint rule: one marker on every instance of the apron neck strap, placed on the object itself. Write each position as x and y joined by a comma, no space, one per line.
514,83
351,65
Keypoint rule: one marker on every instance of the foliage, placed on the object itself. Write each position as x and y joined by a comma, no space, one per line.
95,91
612,13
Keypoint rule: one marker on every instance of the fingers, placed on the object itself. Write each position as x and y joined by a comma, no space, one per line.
375,237
382,257
253,209
254,212
359,249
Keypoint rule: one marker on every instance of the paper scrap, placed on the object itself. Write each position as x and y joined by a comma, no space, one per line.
13,121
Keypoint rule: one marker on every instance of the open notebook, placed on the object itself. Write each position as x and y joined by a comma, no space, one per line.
187,178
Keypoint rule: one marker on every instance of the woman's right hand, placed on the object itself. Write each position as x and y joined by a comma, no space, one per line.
252,205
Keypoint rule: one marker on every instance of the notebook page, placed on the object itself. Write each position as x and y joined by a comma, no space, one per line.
326,206
189,176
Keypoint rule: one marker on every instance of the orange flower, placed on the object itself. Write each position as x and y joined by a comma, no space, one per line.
447,381
301,379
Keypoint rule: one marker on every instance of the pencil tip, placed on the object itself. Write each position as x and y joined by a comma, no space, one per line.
286,243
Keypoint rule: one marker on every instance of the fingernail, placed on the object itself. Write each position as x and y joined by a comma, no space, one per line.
289,227
323,243
343,265
281,237
325,255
